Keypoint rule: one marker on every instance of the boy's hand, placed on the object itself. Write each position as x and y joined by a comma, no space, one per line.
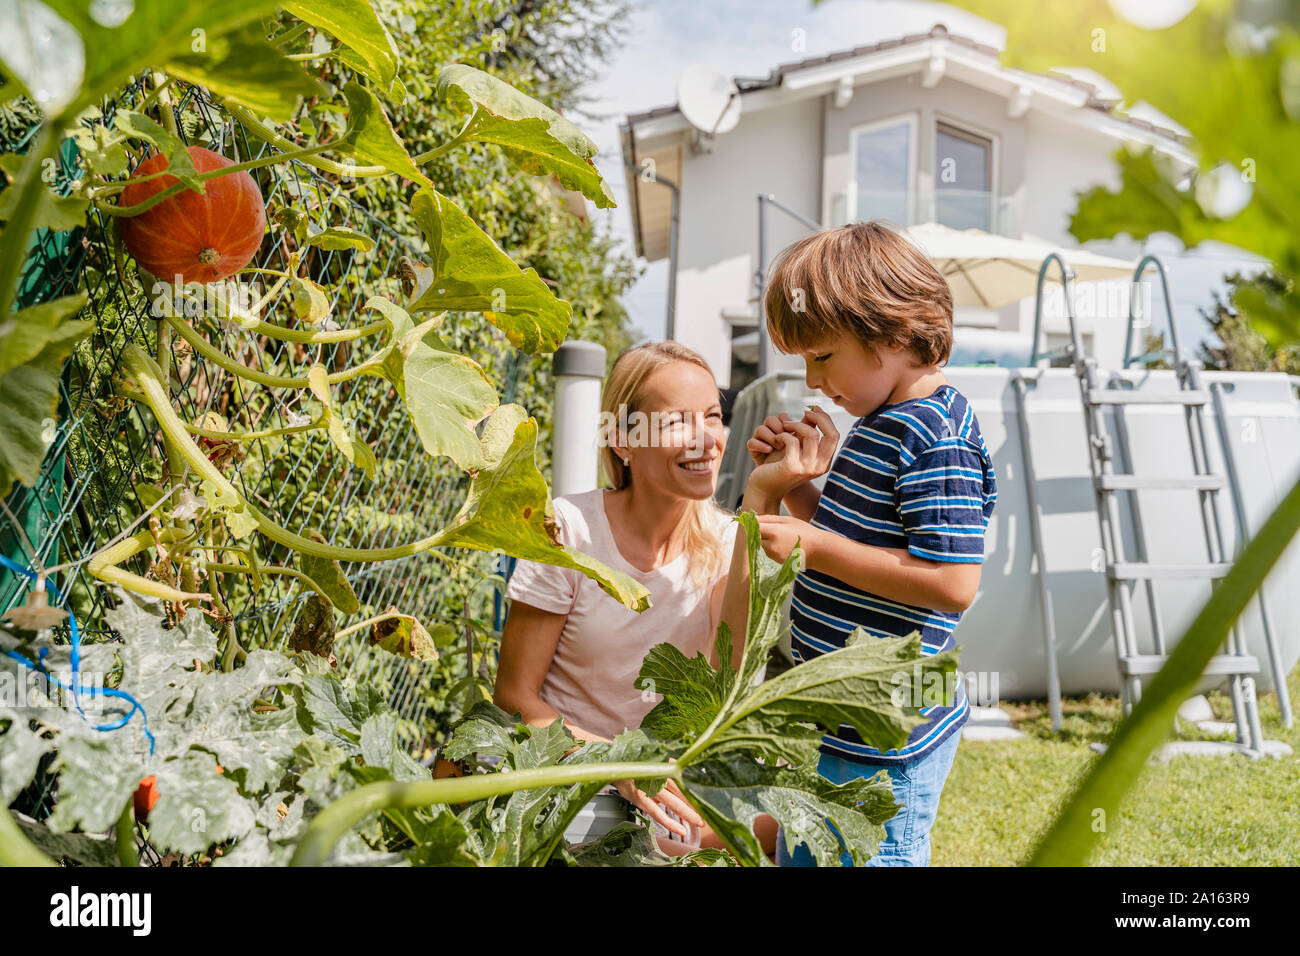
780,532
787,453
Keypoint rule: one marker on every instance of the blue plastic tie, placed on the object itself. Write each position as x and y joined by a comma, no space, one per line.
75,658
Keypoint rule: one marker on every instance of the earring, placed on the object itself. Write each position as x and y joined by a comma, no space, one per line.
627,461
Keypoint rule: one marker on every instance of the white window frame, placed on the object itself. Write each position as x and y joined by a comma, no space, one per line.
913,121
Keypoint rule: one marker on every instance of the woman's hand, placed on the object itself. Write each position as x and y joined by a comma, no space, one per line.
670,797
787,453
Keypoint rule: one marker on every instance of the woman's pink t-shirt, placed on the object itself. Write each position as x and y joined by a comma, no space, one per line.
593,677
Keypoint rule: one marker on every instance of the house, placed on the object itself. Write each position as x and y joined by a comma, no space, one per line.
926,127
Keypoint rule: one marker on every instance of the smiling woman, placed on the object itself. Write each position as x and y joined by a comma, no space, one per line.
571,652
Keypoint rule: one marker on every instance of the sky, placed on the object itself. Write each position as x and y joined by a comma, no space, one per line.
750,38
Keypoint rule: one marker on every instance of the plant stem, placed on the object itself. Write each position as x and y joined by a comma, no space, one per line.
217,357
270,160
15,848
254,435
128,854
213,566
104,567
279,332
386,616
1072,837
328,827
289,35
175,465
267,135
165,102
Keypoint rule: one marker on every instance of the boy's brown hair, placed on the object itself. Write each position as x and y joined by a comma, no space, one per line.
864,280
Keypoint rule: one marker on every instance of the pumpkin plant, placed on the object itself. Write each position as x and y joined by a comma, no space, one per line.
284,760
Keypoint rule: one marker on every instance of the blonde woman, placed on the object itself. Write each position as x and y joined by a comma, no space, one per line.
569,651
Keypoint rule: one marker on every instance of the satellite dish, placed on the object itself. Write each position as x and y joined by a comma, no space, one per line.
709,100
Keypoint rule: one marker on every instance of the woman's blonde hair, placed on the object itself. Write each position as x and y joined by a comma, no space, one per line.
624,388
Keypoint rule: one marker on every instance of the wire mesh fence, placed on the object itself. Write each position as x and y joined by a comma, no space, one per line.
106,449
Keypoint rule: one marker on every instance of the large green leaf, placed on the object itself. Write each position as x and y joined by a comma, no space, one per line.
372,139
524,828
243,67
509,509
354,24
472,274
535,137
151,33
446,393
34,343
730,794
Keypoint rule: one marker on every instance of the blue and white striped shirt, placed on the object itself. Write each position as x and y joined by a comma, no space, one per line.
914,474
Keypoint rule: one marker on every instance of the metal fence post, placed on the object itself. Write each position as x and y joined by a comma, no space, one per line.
579,369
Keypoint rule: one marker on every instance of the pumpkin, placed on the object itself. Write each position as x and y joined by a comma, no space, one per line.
200,237
146,795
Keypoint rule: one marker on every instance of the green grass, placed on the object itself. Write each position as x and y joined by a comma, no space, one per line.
1190,811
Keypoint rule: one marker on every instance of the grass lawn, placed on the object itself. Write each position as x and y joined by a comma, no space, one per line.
1190,811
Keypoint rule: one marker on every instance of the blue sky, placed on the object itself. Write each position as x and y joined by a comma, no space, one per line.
750,38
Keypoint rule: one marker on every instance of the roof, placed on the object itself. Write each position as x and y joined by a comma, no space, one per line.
1095,98
1077,92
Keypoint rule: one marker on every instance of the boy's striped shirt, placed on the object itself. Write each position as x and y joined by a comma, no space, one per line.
916,475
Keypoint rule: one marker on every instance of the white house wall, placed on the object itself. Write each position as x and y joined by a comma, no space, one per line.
775,151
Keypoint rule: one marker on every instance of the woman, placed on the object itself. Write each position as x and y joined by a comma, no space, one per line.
569,650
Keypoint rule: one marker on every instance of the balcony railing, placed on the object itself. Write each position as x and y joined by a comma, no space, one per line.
957,208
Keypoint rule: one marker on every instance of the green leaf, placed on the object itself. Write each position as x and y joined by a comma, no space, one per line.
340,430
404,636
310,303
196,807
446,393
59,213
354,23
472,274
179,162
333,238
371,136
335,712
535,138
380,747
329,577
20,753
29,386
151,33
86,848
861,685
314,627
731,794
509,509
243,67
95,783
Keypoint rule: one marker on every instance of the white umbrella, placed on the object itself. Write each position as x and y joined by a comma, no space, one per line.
992,271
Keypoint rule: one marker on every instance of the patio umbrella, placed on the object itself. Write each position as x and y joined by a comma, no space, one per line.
987,270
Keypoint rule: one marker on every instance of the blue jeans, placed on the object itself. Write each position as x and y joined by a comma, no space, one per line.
916,785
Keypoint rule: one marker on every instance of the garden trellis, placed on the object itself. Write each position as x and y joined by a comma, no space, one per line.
87,491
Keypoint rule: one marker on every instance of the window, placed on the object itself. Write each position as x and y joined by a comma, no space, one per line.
884,164
963,179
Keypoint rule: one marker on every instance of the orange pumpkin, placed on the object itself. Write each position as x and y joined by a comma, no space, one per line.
201,237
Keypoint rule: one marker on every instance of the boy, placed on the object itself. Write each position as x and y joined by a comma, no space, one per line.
894,541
